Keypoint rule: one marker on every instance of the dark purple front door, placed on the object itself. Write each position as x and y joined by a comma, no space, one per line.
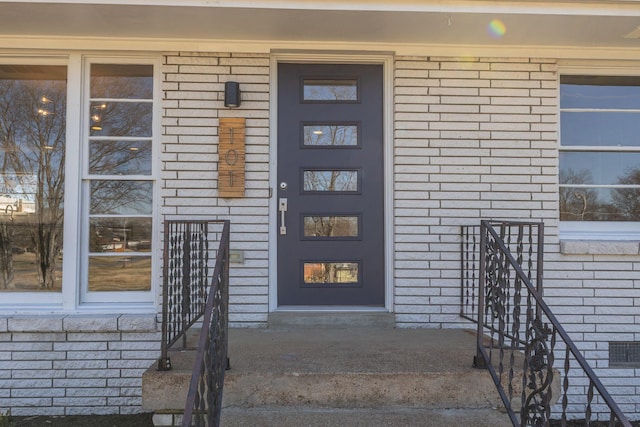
330,185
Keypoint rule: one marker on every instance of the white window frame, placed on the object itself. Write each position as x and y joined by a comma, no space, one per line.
596,230
73,296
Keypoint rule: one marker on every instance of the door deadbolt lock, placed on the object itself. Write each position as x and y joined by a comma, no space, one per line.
283,185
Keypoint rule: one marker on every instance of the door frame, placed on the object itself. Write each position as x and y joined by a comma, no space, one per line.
345,58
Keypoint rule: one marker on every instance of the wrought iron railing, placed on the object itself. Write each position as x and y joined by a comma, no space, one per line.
204,399
537,369
191,251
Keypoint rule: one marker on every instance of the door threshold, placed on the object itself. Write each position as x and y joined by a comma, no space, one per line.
331,318
330,308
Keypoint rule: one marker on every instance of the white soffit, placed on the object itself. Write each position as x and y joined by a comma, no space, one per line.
561,24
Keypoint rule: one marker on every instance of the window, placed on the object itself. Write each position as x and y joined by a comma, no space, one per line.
76,183
33,103
600,156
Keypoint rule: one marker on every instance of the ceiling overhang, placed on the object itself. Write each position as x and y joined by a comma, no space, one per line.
606,26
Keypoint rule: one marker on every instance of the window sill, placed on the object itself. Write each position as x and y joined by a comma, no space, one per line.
79,323
599,247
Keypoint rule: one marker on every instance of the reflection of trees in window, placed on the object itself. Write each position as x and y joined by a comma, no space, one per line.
576,203
330,226
120,151
32,138
121,197
331,135
331,90
330,181
330,273
627,200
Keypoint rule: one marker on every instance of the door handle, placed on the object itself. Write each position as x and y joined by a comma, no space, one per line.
282,207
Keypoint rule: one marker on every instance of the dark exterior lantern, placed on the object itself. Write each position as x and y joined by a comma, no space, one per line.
231,94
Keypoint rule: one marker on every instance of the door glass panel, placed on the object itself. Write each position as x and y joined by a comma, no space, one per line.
330,135
331,90
120,273
331,181
331,272
331,226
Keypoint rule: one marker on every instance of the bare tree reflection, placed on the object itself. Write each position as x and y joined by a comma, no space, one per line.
576,203
627,200
32,135
331,273
330,180
331,135
330,226
331,90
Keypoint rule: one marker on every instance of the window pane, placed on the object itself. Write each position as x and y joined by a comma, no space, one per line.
331,226
610,128
32,152
333,181
331,272
333,90
120,234
119,273
600,168
132,119
122,81
599,204
120,157
121,197
330,135
600,92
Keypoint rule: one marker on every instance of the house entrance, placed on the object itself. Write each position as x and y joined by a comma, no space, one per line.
330,185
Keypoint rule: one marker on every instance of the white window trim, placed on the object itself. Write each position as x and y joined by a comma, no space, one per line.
70,300
596,230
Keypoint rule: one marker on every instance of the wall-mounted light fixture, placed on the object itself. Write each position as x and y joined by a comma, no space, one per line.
231,94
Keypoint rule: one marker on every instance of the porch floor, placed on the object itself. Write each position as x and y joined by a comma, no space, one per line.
346,376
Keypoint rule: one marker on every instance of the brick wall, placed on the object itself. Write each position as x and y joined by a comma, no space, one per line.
193,102
477,138
75,365
474,138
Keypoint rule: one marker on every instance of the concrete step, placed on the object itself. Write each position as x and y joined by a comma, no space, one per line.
376,417
326,376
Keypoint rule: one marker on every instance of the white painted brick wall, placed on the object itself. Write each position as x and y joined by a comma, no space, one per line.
487,130
471,124
193,88
76,365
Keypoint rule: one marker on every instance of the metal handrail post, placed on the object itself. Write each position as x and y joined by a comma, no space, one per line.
479,361
186,283
164,363
540,267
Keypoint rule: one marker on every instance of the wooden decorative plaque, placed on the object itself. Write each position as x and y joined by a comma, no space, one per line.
231,150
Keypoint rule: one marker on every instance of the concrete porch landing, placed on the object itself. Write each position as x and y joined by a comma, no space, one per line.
339,376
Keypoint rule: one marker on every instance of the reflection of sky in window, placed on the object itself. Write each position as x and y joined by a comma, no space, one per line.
330,90
600,96
131,81
610,129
